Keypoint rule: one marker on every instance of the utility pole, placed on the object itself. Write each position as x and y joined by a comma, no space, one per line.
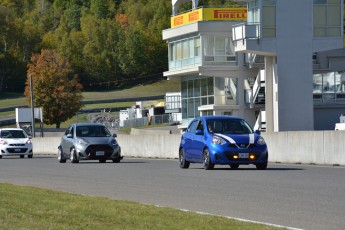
32,108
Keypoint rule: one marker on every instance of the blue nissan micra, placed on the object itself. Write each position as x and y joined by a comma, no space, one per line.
223,140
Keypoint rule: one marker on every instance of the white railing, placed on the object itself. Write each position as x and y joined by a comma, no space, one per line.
245,31
260,123
259,82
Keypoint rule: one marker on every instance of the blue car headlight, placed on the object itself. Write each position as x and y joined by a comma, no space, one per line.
261,141
218,140
82,141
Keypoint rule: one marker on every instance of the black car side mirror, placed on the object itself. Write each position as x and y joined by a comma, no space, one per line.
114,135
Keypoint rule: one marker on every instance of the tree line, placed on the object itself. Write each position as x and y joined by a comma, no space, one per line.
107,42
104,40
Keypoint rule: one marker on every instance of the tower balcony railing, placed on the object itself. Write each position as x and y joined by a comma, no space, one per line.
245,31
246,36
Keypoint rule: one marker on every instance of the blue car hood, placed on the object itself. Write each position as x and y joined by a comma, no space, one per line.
239,138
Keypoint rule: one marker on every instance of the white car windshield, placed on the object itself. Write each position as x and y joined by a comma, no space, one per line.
12,134
92,131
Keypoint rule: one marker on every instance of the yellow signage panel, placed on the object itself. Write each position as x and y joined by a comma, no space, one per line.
232,14
209,14
182,19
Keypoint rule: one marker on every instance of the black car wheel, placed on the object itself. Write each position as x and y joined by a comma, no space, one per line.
60,156
207,160
116,160
182,160
21,156
102,160
234,166
261,166
73,156
30,156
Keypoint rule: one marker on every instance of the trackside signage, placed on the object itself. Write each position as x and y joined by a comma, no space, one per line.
210,14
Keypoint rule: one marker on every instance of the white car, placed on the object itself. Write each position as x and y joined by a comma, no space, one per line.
15,142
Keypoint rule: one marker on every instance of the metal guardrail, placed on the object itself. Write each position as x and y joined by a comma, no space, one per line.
144,121
125,99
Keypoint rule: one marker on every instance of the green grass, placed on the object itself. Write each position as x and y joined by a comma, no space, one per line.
24,207
109,105
8,113
155,89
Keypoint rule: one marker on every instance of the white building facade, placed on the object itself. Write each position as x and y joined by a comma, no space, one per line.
276,63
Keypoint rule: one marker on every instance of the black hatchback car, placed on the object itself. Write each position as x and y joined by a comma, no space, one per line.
89,141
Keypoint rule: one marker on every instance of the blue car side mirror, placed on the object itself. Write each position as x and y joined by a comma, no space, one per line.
199,132
258,132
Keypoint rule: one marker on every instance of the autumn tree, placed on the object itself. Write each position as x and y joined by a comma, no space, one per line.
56,90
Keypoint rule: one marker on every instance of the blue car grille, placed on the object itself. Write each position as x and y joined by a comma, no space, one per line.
91,151
230,156
242,146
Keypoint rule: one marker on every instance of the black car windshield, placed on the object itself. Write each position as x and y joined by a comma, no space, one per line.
92,131
13,134
228,126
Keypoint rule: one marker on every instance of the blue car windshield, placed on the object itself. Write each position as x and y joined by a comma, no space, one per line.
92,131
228,126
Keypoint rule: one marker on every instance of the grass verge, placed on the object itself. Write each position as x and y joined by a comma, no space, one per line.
155,89
25,207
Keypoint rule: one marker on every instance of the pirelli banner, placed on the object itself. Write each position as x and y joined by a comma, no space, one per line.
210,14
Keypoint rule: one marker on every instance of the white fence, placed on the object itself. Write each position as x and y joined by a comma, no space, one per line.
307,147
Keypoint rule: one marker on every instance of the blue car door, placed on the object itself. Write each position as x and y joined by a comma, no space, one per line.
198,142
187,140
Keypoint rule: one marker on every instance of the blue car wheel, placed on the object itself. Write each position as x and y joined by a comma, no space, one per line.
234,166
261,166
182,160
206,159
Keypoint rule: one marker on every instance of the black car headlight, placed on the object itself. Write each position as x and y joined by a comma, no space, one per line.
113,142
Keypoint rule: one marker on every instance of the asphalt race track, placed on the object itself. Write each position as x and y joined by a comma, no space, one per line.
298,196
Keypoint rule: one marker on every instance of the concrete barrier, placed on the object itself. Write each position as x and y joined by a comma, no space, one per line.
45,145
306,147
150,131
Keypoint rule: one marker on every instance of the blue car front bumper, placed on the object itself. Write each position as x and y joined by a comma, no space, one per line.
227,155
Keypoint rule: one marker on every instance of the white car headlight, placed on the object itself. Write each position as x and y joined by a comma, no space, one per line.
218,140
29,142
261,141
82,141
3,142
